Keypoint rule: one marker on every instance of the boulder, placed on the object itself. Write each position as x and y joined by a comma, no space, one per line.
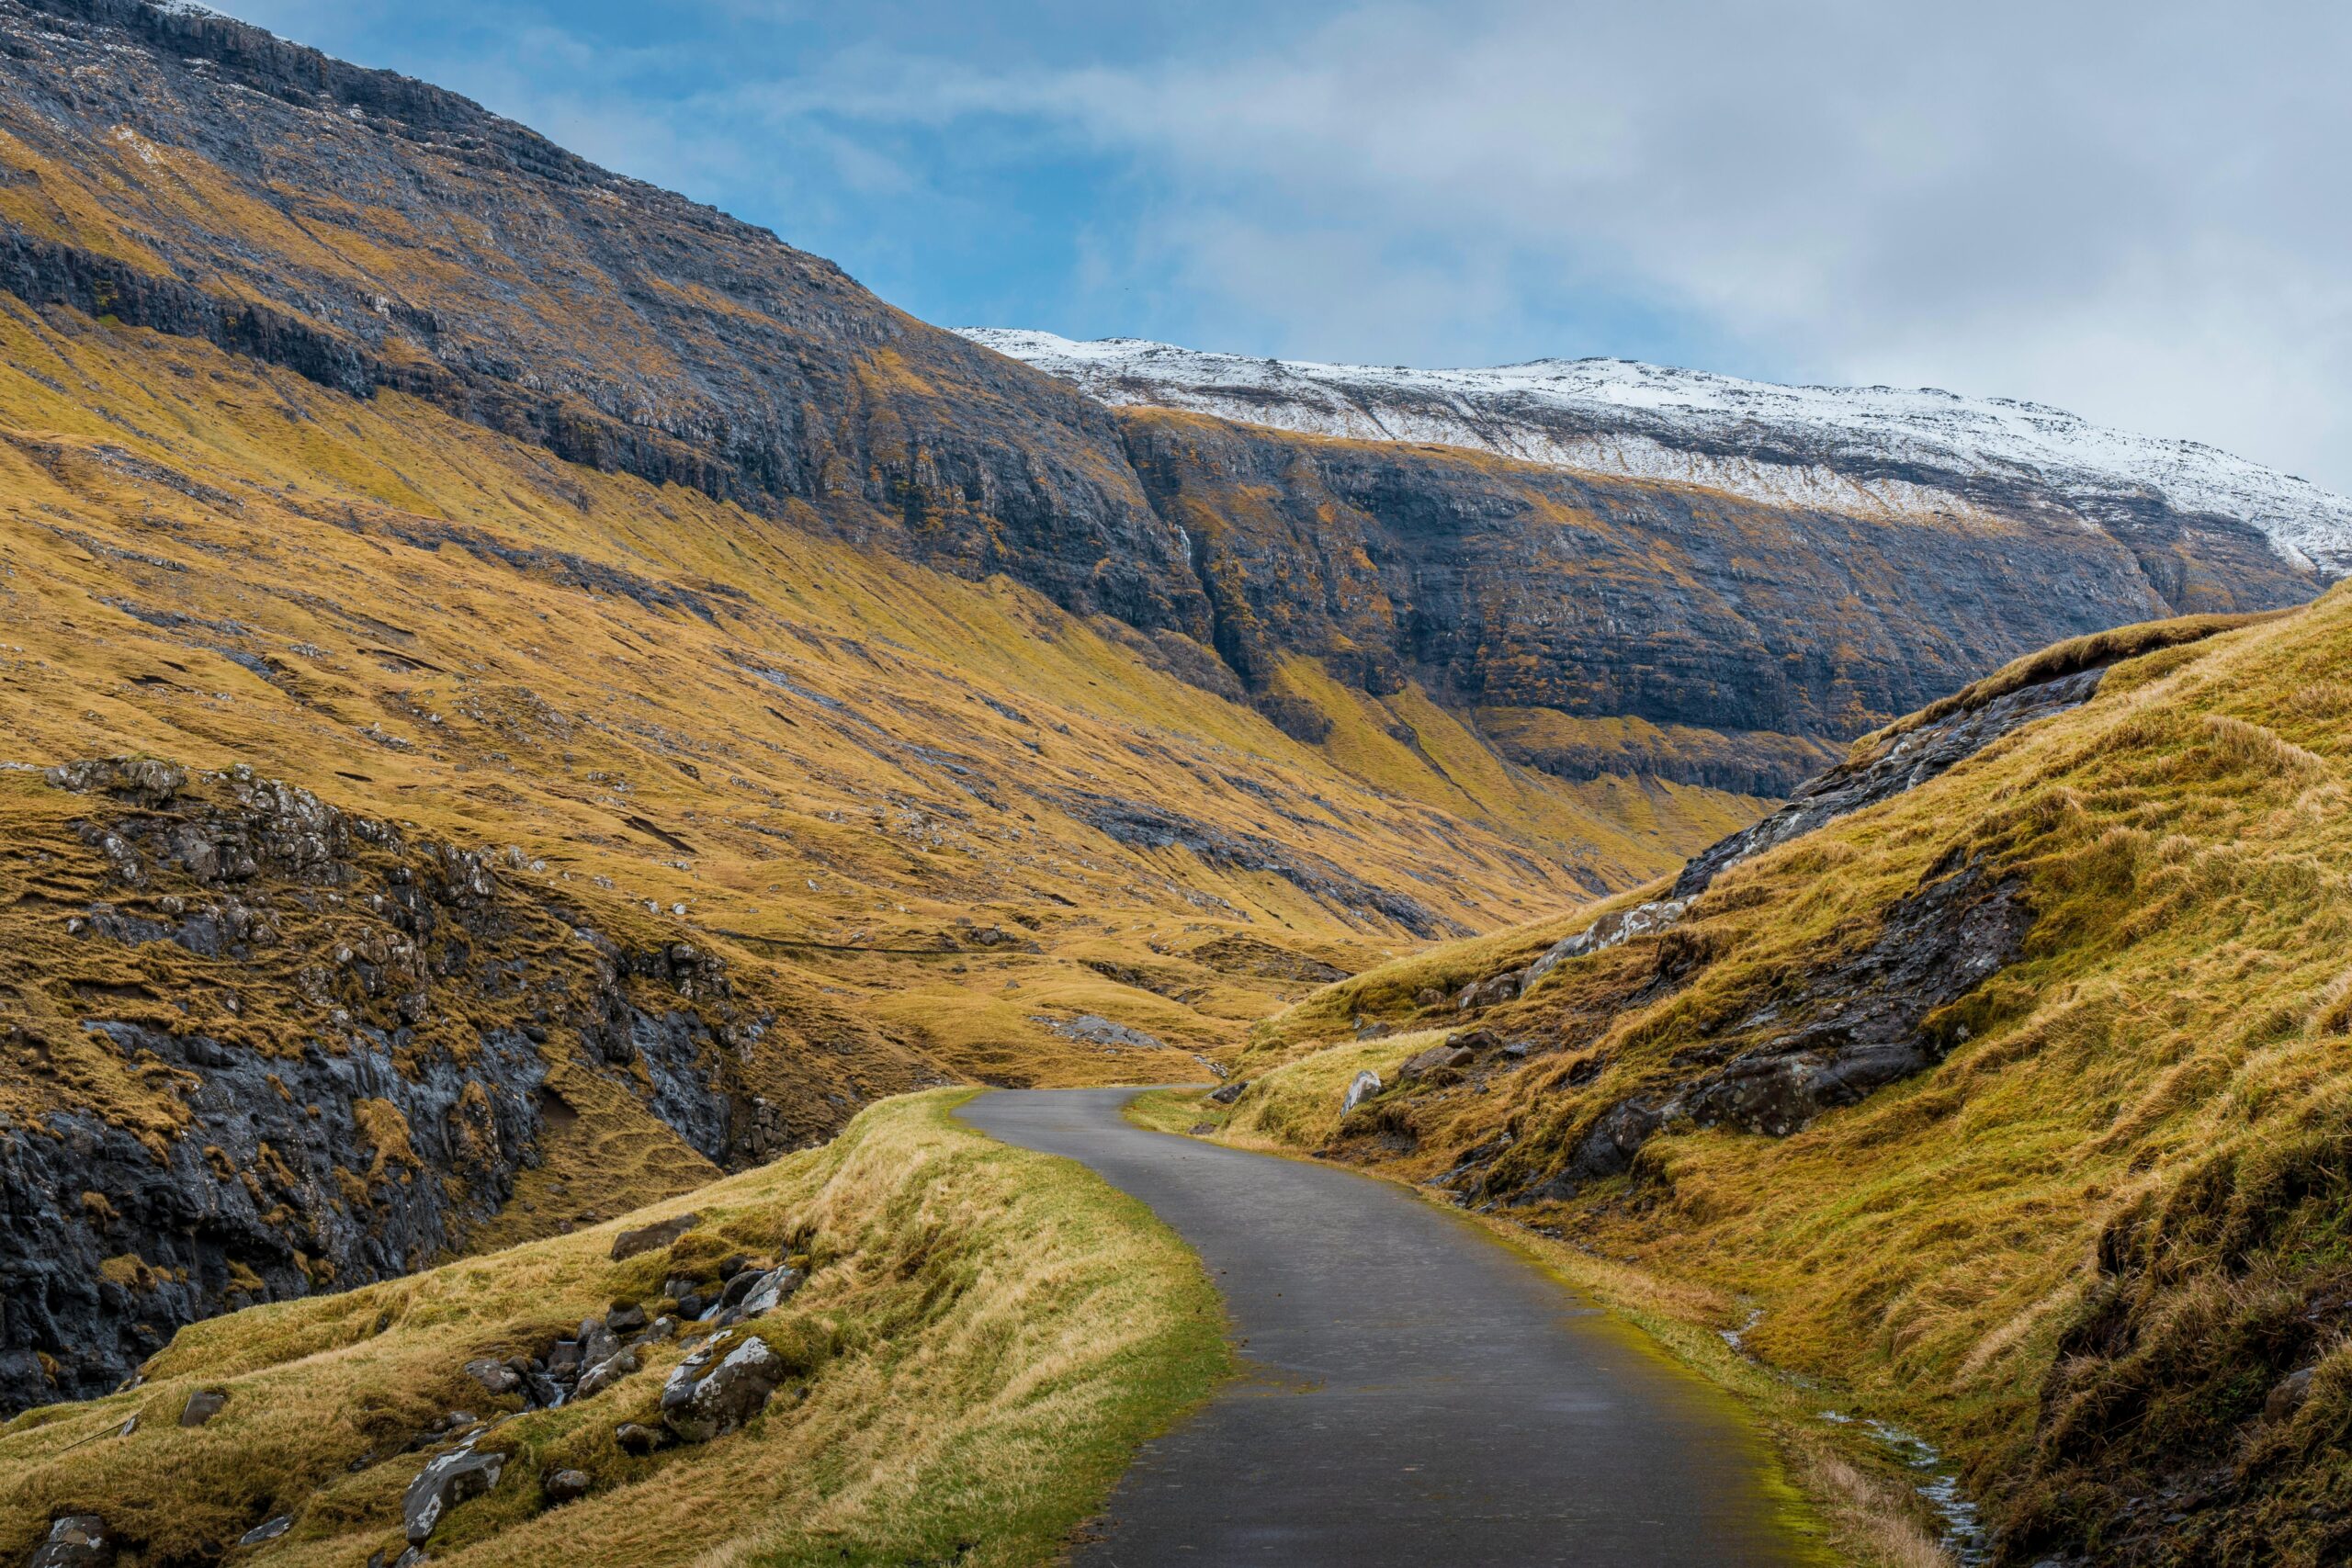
1429,996
597,1343
269,1529
769,1291
77,1540
645,1238
202,1406
455,1477
626,1319
1366,1085
1475,1040
634,1438
496,1377
1436,1059
1228,1093
563,1486
702,1401
2288,1396
1493,991
605,1373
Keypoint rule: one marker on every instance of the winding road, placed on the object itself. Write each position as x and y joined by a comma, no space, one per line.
1416,1393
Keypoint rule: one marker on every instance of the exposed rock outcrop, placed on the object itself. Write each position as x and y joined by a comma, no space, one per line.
1592,624
342,1038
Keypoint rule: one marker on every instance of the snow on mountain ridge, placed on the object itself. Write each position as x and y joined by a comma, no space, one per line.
1856,447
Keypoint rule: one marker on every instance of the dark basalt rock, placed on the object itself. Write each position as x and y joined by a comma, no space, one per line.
255,1197
1910,762
1152,826
1744,636
1848,1029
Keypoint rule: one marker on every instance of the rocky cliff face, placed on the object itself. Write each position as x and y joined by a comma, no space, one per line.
181,172
275,1048
1597,626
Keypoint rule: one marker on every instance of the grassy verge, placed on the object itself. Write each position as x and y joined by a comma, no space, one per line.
1840,1488
987,1335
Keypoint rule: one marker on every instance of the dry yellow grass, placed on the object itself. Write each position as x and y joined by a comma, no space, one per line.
866,769
2081,1252
987,1334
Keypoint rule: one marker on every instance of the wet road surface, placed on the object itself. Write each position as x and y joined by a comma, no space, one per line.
1415,1391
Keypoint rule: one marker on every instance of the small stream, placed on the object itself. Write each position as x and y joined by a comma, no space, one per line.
1963,1523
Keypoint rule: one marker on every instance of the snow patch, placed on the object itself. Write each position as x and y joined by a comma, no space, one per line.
1865,450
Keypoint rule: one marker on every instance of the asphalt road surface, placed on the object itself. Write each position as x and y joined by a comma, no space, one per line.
1415,1391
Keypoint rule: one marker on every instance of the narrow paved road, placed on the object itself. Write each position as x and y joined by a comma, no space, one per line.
1417,1392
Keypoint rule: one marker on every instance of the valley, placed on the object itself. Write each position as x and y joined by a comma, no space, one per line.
550,743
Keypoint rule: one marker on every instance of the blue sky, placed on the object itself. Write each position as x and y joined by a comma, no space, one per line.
2140,212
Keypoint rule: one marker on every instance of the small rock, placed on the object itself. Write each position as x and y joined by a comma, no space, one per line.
443,1484
605,1373
597,1343
660,1329
633,1439
691,1306
2288,1396
496,1377
565,1353
1203,1129
1490,992
1474,1040
202,1406
626,1319
1429,996
701,1402
769,1291
1228,1093
566,1486
267,1530
732,1294
77,1540
412,1558
1366,1085
735,1264
1436,1059
645,1238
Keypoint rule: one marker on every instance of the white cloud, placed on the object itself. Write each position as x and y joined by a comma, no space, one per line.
2139,211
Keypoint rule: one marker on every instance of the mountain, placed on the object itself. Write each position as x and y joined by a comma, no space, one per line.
524,696
1850,448
1995,1089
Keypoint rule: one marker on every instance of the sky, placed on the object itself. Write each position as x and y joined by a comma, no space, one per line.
2139,213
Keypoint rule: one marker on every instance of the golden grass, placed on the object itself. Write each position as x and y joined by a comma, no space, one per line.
2078,1253
466,634
987,1335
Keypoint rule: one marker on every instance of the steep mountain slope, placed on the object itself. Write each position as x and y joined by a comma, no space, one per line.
911,826
1615,566
2007,1095
393,506
1863,449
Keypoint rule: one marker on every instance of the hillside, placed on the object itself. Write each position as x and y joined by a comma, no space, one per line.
2000,1087
521,695
974,1340
1870,449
